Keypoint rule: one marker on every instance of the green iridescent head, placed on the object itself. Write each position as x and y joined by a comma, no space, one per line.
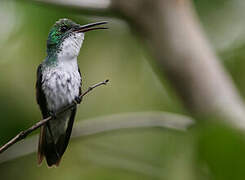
65,29
59,32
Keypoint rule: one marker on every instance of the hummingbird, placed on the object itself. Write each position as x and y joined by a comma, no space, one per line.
58,85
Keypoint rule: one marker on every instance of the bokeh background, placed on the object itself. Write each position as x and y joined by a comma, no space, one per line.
207,151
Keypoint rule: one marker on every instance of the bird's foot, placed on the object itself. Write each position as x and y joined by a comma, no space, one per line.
53,114
78,100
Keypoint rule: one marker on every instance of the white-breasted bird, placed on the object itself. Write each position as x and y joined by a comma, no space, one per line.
58,85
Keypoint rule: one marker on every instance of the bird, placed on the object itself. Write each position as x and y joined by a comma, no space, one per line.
58,85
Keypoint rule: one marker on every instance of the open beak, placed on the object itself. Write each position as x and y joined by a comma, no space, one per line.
90,27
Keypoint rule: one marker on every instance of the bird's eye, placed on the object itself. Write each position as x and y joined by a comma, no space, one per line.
63,28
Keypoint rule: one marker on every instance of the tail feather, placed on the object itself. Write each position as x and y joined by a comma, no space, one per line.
51,154
40,153
54,151
46,149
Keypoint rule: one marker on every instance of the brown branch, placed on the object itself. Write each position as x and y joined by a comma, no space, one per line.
25,133
108,124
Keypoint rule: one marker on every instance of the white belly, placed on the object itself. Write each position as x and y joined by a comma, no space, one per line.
60,85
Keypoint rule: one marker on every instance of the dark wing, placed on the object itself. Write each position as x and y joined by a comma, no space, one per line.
80,87
40,96
41,100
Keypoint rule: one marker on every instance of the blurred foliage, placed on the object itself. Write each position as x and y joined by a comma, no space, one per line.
208,151
222,149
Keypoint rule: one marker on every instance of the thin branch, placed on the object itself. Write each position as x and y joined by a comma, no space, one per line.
108,124
23,134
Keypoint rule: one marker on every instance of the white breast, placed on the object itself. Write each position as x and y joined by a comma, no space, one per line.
70,47
61,84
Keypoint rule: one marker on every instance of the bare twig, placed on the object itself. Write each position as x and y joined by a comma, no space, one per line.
107,124
23,134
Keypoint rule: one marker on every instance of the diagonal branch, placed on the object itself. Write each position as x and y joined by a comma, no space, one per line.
23,134
108,124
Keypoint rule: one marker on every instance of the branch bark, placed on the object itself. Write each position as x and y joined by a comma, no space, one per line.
25,133
107,124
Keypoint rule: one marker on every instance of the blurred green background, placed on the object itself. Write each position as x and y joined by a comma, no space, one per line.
207,151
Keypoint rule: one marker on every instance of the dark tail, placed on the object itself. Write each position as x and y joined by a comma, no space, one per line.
54,151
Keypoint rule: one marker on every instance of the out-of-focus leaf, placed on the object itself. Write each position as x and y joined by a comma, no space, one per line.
221,150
